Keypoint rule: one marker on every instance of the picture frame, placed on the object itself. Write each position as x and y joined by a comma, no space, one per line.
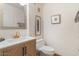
37,25
56,19
77,17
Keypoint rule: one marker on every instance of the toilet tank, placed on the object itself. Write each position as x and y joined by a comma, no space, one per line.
40,43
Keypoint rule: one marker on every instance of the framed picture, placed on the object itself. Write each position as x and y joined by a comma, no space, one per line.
37,25
77,17
56,19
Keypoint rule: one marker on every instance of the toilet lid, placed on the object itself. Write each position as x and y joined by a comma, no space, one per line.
46,48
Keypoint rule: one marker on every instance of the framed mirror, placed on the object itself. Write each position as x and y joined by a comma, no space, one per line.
12,16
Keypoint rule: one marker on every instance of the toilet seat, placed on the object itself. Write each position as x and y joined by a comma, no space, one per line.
47,50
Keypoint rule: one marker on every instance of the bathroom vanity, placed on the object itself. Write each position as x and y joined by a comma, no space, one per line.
18,47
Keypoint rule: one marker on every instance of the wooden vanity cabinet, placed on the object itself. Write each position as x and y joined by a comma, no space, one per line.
27,48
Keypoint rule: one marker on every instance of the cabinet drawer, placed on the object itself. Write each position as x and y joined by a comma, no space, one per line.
30,43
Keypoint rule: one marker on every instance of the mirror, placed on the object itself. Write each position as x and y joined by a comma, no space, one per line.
12,16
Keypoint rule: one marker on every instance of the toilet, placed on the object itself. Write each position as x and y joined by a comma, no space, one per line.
43,49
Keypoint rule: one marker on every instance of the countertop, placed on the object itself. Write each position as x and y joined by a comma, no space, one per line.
14,41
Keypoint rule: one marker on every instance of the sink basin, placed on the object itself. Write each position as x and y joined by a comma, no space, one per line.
11,40
2,40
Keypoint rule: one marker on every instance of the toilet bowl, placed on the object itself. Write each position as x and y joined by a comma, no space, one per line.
46,50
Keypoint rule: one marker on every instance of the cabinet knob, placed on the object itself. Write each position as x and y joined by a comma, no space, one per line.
24,51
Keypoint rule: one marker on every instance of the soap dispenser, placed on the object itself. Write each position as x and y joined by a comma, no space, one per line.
1,38
17,35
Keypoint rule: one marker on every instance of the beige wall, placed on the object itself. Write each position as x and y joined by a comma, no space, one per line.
32,12
62,37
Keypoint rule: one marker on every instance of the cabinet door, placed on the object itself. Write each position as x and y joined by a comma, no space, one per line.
1,52
15,50
30,48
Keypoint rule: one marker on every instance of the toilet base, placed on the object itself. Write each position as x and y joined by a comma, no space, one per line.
43,54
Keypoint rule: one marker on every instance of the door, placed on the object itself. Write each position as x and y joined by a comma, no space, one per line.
16,50
1,52
30,47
